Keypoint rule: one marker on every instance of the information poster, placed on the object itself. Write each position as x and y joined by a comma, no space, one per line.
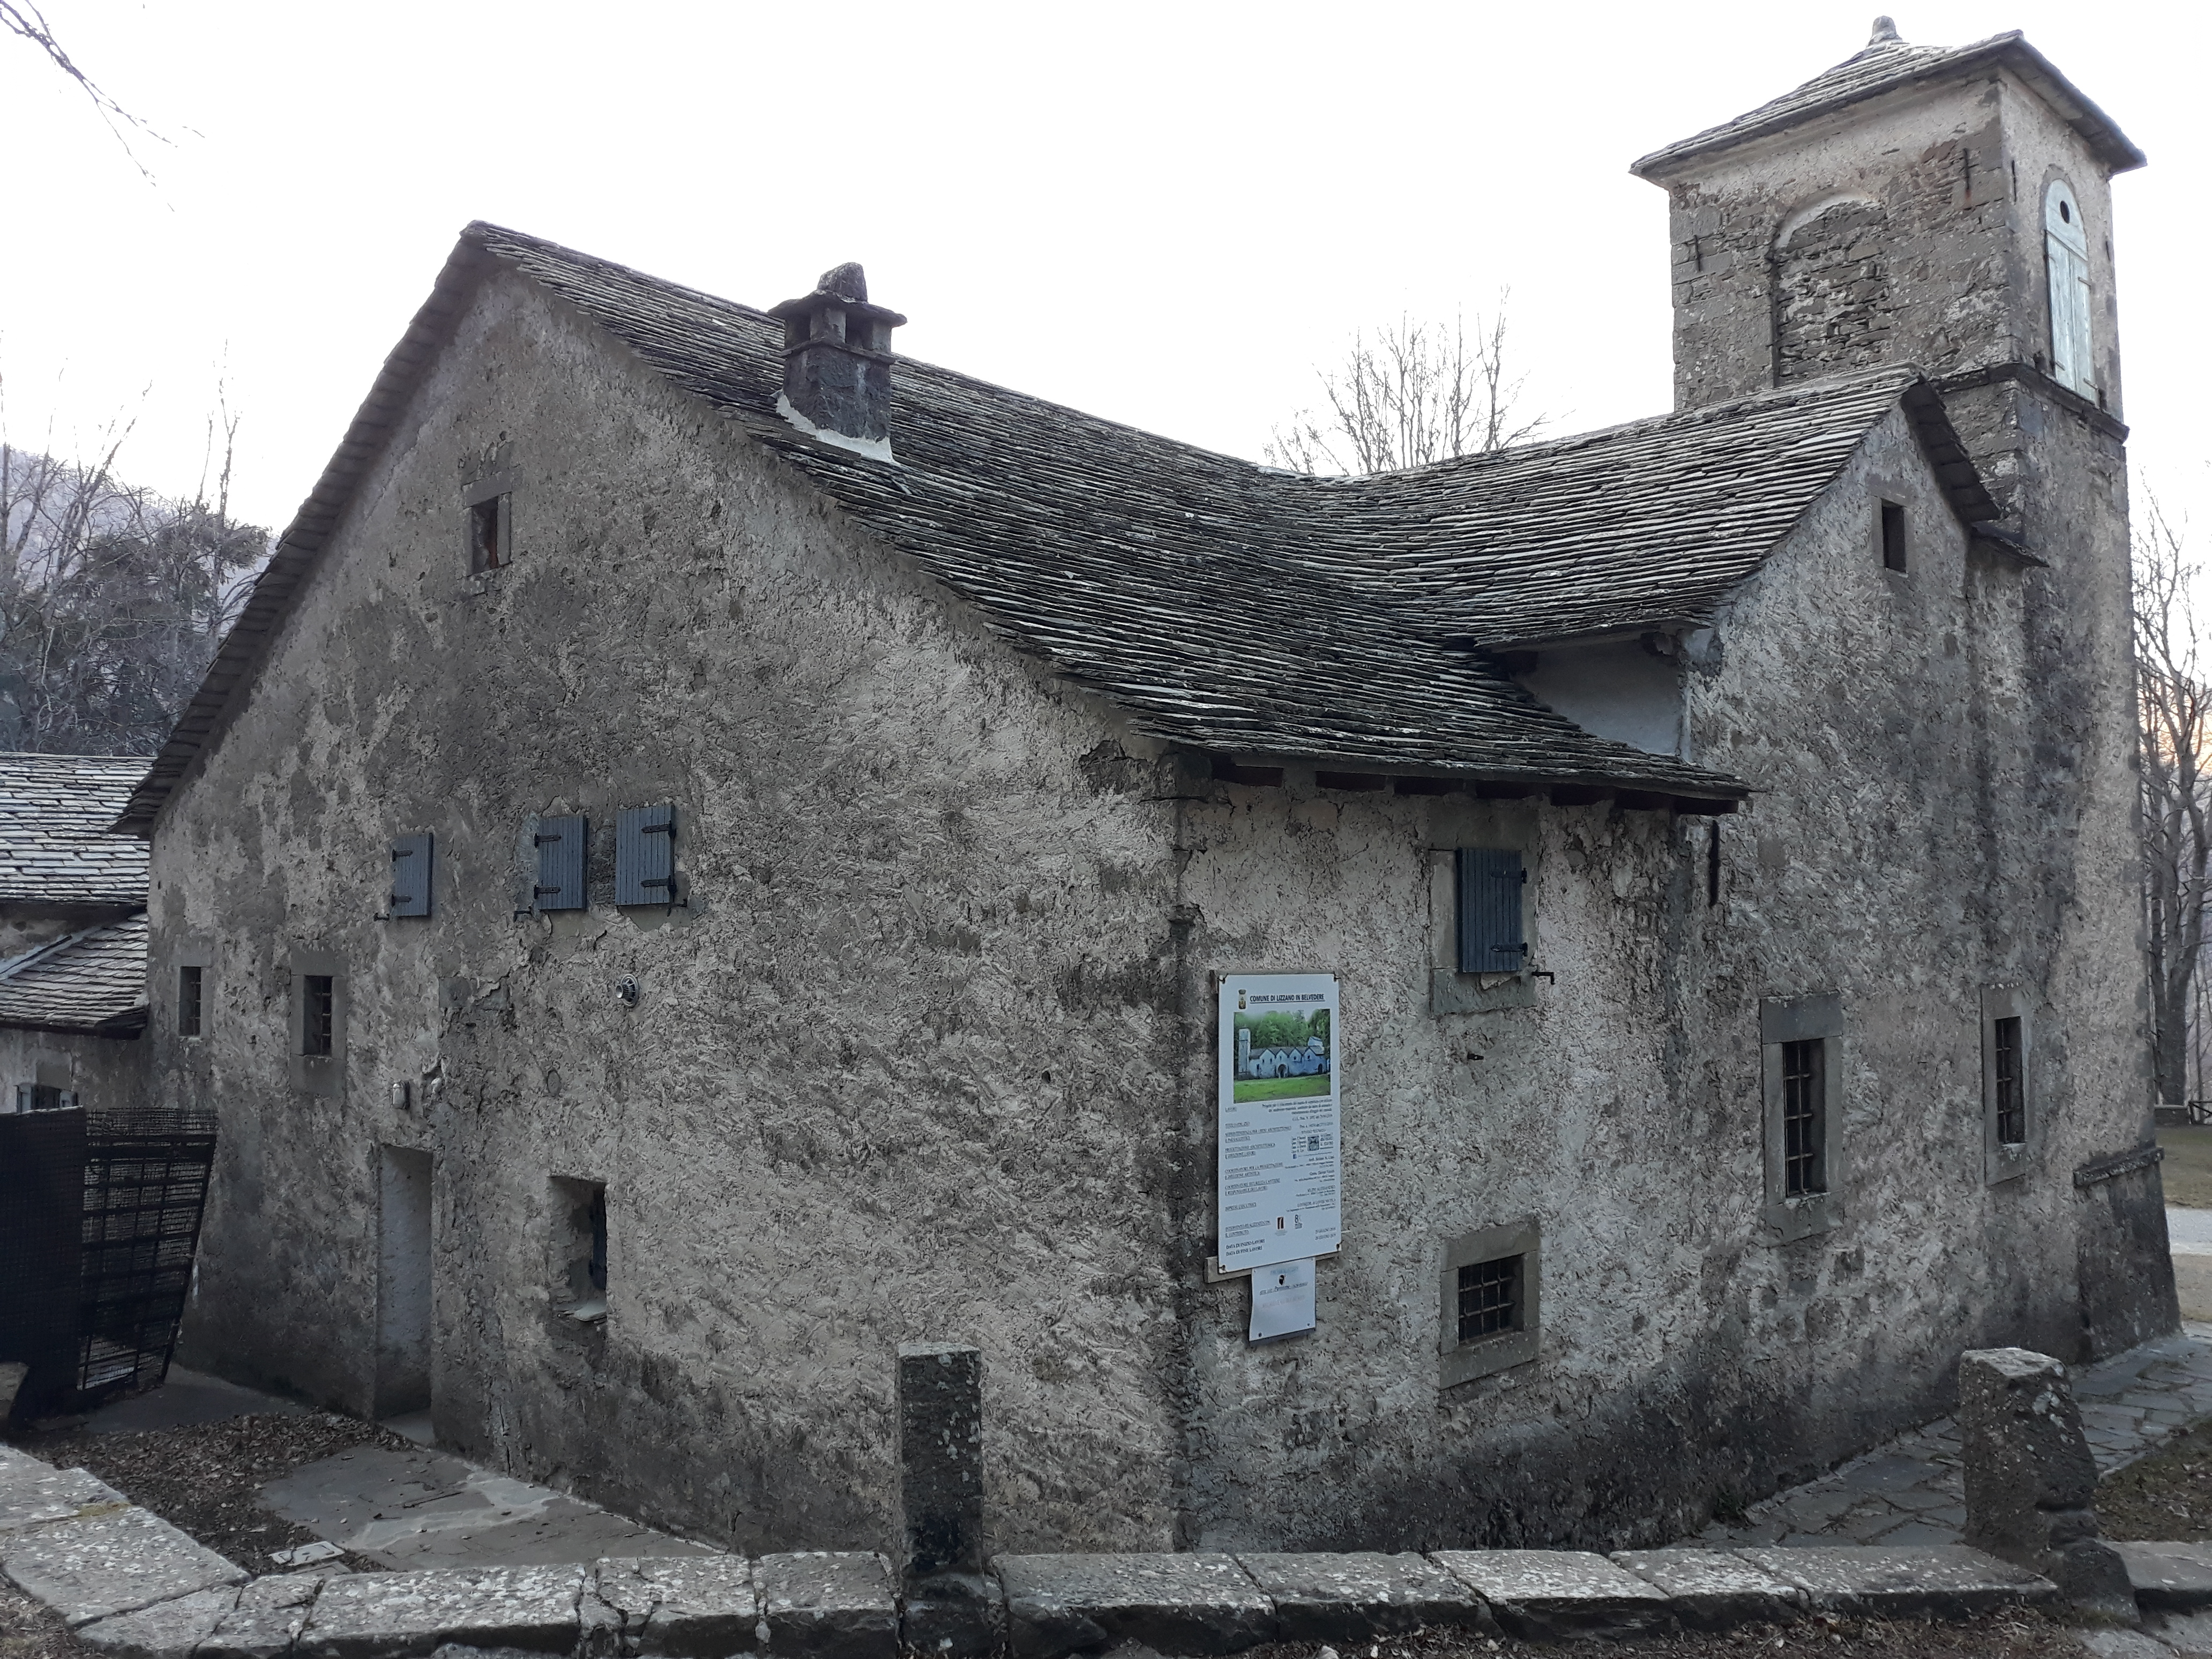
1279,1181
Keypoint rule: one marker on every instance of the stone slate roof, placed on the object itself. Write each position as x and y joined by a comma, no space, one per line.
1887,64
94,981
55,844
1249,613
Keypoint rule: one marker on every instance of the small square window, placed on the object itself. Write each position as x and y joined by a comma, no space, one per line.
317,1015
1893,535
1488,1297
489,538
189,984
1490,1302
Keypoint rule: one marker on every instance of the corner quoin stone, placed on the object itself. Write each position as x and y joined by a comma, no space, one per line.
1351,1598
390,1616
828,1605
1712,1590
1945,1581
1197,1604
111,1561
2031,1480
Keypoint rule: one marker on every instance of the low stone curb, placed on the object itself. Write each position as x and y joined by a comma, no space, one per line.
133,1586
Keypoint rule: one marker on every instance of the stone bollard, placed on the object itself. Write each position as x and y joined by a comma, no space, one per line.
2030,1478
952,1607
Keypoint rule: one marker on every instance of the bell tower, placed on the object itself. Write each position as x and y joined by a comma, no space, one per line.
1947,208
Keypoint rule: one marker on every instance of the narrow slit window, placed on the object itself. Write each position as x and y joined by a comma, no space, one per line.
1893,535
1804,1119
488,534
2011,1081
317,1015
580,1250
1488,1297
189,984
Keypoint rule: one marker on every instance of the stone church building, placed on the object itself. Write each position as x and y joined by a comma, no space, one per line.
711,851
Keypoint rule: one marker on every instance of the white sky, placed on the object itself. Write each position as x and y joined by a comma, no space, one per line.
1166,214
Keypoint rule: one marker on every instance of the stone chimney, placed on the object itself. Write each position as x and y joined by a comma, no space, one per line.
837,364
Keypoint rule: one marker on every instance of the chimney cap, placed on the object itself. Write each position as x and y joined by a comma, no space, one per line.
845,285
1885,34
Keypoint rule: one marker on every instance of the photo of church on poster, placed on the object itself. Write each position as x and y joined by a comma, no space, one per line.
1278,1180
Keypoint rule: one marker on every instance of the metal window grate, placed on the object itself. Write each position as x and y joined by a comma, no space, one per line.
1488,1297
145,1189
1804,1118
188,1002
317,1015
2011,1084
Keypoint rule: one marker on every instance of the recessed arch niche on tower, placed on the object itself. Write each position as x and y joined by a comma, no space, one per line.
1832,309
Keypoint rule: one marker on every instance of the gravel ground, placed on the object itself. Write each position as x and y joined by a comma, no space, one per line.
28,1631
2018,1635
206,1479
2167,1495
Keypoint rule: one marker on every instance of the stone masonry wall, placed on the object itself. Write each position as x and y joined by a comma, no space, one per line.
1682,1359
900,1070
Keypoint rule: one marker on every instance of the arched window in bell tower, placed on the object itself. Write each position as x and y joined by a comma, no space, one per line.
2066,246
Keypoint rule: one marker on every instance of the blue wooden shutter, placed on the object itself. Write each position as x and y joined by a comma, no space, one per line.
561,844
411,875
1489,938
645,855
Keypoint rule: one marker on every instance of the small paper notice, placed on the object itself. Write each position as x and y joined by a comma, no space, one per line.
1282,1300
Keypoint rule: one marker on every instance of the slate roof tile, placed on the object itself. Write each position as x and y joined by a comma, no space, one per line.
55,843
1886,65
1227,607
92,981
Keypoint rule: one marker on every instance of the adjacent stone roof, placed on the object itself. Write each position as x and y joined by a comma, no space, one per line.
91,980
55,843
1887,64
1236,609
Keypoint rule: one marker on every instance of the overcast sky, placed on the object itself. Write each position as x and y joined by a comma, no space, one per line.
1167,213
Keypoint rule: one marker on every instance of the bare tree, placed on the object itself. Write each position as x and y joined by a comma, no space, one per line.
24,18
2174,704
1418,392
113,598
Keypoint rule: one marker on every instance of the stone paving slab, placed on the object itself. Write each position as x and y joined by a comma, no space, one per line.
825,1602
386,1616
1946,1582
1553,1596
1356,1597
2173,1575
1197,1604
1910,1491
1709,1590
167,1630
682,1607
32,1493
107,1562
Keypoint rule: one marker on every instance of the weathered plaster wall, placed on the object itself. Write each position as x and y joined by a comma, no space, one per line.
1884,718
102,1072
904,1068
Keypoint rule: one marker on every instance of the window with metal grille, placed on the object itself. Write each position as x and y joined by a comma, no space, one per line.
317,1014
2011,1083
1804,1118
1488,1297
188,1002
